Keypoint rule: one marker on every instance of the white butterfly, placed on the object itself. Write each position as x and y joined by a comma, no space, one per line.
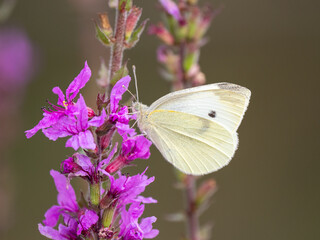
196,129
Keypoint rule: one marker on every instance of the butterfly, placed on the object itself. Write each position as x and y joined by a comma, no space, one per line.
195,129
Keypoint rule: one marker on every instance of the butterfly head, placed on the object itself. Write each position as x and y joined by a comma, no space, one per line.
139,108
141,112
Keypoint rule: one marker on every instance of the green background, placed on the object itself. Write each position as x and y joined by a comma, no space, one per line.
270,190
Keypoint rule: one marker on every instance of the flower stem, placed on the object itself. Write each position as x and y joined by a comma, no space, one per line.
192,221
191,211
117,49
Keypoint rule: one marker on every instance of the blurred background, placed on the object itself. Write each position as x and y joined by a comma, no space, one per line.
270,190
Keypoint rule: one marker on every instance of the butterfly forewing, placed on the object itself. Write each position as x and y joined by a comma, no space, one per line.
224,103
193,144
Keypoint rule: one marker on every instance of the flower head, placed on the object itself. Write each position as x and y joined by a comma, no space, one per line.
65,106
117,91
75,218
136,147
131,229
126,189
133,147
80,165
76,126
118,114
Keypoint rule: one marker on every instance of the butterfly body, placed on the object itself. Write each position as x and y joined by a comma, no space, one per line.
195,128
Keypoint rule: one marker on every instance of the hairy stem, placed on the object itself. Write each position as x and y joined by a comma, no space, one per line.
191,211
117,49
192,225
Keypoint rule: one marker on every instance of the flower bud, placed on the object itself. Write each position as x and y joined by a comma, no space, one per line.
95,194
69,166
105,24
116,164
91,113
107,138
161,32
132,20
107,216
206,190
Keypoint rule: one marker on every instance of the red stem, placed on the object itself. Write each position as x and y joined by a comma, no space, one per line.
191,211
117,50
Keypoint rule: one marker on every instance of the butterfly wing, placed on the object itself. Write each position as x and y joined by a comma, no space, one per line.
224,103
193,144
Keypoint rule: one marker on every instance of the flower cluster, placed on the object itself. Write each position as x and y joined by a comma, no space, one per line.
182,37
114,204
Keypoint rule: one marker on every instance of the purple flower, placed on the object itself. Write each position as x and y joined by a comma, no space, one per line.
64,232
70,211
86,220
130,229
116,114
136,147
117,91
120,116
172,9
81,165
66,106
73,89
126,189
76,126
16,58
133,147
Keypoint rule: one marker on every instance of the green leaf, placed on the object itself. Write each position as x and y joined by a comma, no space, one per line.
101,36
135,37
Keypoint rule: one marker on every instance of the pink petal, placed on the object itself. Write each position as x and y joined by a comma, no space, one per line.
52,216
73,142
78,83
61,97
117,91
99,120
49,232
86,140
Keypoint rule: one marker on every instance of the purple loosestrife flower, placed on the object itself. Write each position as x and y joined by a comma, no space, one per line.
76,126
64,232
172,9
133,147
120,116
66,105
130,229
81,165
126,189
117,114
75,218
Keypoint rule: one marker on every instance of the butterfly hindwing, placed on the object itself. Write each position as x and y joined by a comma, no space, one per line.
193,144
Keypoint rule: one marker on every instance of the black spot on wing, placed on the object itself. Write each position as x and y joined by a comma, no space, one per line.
212,114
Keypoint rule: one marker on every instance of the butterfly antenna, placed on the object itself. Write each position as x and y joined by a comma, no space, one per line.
135,81
129,92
